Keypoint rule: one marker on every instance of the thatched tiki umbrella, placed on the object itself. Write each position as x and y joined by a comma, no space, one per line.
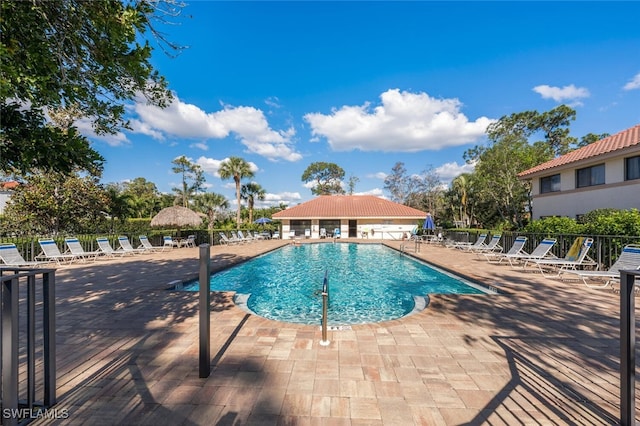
177,216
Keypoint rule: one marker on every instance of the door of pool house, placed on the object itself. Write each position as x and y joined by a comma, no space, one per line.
353,229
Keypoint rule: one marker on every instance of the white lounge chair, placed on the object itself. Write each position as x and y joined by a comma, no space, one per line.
492,245
74,246
575,257
228,241
190,241
169,242
517,248
629,260
469,246
541,251
105,247
240,235
323,233
50,251
10,256
146,244
126,246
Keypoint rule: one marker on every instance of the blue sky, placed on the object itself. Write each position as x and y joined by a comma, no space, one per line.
368,84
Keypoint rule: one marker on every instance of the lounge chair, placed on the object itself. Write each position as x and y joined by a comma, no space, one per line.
307,233
492,245
105,247
169,242
50,251
629,259
541,251
323,233
337,233
575,257
230,240
74,247
516,249
242,237
190,241
146,244
469,246
276,235
126,246
10,255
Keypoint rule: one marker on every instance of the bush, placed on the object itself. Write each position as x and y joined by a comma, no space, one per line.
596,222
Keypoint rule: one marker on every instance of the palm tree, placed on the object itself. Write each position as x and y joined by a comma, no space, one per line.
236,168
209,203
250,192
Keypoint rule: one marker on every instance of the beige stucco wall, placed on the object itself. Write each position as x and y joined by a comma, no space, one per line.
615,193
391,229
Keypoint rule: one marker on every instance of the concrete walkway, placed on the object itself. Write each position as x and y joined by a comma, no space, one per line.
543,352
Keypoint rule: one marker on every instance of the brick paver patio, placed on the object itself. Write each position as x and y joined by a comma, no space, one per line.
542,352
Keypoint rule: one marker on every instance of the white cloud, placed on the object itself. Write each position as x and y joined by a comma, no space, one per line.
200,145
212,166
270,200
247,124
403,122
561,94
85,128
449,171
378,192
634,83
378,175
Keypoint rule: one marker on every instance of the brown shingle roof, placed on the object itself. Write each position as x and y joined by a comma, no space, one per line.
624,139
349,206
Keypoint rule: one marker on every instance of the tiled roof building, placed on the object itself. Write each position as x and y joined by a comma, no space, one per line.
355,216
604,174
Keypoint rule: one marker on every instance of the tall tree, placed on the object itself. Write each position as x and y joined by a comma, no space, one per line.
590,138
119,204
192,179
238,169
210,204
397,183
87,56
250,193
327,177
144,195
55,203
351,184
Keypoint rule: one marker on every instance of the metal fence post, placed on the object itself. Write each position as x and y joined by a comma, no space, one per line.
9,349
627,347
205,311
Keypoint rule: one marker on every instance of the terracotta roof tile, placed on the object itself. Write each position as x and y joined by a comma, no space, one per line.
624,139
9,185
349,206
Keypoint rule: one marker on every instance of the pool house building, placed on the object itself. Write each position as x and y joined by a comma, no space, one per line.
356,216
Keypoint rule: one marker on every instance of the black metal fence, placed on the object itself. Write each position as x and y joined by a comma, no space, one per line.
605,250
28,353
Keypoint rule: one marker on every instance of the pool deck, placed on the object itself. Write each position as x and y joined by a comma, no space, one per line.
543,352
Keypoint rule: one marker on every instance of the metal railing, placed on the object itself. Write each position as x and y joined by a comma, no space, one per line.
627,347
325,308
605,249
19,357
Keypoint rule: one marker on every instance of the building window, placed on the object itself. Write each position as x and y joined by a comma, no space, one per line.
632,168
550,184
590,176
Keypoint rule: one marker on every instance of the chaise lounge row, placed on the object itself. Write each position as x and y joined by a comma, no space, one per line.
50,252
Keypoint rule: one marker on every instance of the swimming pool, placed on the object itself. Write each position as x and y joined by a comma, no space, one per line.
368,283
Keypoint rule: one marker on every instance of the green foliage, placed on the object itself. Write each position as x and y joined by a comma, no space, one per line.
327,177
555,225
612,222
56,203
238,169
78,59
596,222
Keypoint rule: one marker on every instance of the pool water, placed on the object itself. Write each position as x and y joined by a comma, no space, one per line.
367,283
